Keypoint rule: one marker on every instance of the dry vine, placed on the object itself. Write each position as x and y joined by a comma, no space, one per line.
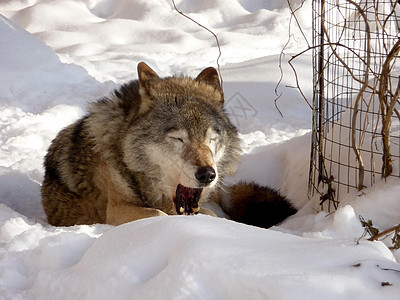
387,108
376,235
216,39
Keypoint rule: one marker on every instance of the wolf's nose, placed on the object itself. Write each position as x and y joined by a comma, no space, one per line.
205,174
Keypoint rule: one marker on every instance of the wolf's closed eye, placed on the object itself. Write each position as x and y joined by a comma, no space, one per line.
214,139
176,139
176,135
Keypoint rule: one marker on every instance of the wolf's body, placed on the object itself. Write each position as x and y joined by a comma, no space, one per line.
155,147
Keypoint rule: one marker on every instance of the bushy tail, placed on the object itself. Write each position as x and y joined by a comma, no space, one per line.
256,205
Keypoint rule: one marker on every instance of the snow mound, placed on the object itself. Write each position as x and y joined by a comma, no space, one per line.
247,262
36,80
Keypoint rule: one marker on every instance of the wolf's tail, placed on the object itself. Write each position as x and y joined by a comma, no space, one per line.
256,205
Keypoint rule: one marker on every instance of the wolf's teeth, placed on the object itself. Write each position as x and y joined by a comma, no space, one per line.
181,209
196,209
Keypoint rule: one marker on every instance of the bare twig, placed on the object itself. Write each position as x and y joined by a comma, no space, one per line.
377,236
387,108
359,97
314,47
216,39
292,16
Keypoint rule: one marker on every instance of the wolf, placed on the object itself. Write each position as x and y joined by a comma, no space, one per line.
156,146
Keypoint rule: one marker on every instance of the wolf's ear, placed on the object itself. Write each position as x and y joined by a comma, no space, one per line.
210,76
146,75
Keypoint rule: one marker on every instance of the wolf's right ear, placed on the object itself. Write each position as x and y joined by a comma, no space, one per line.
146,75
210,76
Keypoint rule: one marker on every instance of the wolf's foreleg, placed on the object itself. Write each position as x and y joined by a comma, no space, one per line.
119,213
119,209
206,211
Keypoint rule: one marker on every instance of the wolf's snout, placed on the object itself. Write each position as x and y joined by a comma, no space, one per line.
205,174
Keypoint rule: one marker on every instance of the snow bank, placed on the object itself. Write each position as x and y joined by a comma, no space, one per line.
197,257
110,37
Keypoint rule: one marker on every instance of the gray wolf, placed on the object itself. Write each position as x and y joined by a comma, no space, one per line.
156,146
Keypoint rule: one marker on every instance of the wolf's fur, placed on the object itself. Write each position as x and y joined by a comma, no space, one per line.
149,150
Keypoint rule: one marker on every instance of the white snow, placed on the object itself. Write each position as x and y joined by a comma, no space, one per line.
56,56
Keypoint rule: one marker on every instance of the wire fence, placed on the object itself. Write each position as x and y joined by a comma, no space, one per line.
356,128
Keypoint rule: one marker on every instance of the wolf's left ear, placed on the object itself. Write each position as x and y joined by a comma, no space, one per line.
210,76
146,76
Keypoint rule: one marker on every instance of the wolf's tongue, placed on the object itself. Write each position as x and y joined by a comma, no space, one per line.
187,200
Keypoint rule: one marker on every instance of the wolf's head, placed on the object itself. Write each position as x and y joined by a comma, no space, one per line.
181,137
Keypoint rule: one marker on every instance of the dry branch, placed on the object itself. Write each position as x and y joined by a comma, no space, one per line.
216,39
384,233
359,97
387,108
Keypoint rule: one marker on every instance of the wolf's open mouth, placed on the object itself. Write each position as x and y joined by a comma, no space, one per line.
187,200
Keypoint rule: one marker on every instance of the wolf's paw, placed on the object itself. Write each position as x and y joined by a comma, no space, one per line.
156,213
206,211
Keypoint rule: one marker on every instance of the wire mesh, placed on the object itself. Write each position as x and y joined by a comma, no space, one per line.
356,129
